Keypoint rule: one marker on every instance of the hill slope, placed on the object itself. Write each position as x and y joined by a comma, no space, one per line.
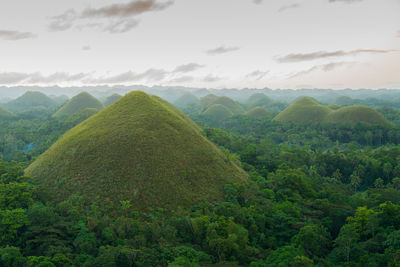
78,102
217,113
30,100
356,114
257,112
233,106
141,149
186,100
5,113
111,99
304,110
258,99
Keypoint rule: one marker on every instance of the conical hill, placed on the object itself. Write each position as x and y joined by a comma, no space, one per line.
81,101
140,149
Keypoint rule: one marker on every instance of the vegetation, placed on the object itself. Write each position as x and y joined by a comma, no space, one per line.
217,113
5,113
81,101
233,106
141,150
111,99
30,100
352,115
257,112
185,100
304,110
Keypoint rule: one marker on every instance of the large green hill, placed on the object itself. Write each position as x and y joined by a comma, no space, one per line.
186,100
111,99
258,99
140,149
233,106
304,110
257,112
356,114
78,102
30,100
217,113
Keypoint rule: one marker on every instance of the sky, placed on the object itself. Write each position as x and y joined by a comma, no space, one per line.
283,44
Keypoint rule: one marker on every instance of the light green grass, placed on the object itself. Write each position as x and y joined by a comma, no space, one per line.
141,149
30,100
78,102
257,112
356,114
258,99
217,113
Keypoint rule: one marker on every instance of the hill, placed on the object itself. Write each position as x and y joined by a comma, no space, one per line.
30,100
205,102
356,114
186,100
233,106
258,99
78,102
61,99
217,113
257,112
111,99
5,113
304,110
140,149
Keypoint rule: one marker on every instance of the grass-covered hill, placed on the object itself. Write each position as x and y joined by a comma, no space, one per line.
140,149
111,99
78,102
356,114
257,112
61,99
30,100
304,110
5,113
186,100
233,106
205,102
217,113
258,100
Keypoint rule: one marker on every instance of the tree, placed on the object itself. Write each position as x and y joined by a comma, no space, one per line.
347,240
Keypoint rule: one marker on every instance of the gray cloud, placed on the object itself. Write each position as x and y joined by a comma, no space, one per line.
37,77
121,26
257,1
211,78
257,75
151,75
64,21
325,68
345,1
183,79
15,35
286,7
185,68
398,33
325,54
131,8
222,50
86,48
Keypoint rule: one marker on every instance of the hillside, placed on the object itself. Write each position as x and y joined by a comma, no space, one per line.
205,102
140,149
78,102
304,110
186,100
5,113
30,100
258,99
356,114
233,106
217,113
111,99
257,112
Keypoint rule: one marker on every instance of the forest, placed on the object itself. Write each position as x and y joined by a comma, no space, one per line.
319,194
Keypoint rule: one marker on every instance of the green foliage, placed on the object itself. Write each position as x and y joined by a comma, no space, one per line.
81,101
257,112
186,100
140,149
30,100
111,99
217,113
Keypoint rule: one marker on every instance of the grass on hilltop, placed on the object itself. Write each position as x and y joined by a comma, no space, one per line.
111,99
140,149
30,100
78,102
257,112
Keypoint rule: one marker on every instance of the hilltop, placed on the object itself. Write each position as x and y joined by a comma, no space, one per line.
186,100
140,149
304,110
30,100
78,102
258,99
217,113
111,99
352,115
233,106
257,112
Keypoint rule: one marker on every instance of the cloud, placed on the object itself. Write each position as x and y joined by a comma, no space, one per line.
64,21
325,54
116,18
257,75
183,79
129,9
86,48
151,75
286,7
222,50
211,78
185,68
257,2
325,68
345,1
15,35
38,78
398,33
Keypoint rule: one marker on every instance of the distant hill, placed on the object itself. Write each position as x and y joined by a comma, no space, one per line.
111,99
258,100
5,113
61,99
186,100
80,116
217,113
304,110
356,114
257,112
233,106
30,100
81,101
205,102
140,149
